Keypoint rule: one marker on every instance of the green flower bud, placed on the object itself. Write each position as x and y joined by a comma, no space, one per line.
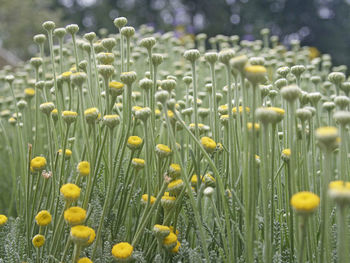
192,55
39,39
49,25
72,29
60,32
119,22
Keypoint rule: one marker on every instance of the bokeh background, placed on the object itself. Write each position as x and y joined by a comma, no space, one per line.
324,24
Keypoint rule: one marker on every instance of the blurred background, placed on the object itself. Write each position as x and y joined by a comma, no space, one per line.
324,24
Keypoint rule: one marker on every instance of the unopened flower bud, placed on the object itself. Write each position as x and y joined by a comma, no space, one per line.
119,22
49,25
72,29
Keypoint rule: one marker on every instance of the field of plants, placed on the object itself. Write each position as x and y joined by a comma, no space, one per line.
149,147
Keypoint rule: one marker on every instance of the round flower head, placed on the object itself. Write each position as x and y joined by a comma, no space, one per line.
144,199
134,142
194,180
111,120
127,31
192,55
175,186
148,42
145,84
47,107
116,88
128,77
305,202
84,260
176,248
91,115
3,219
163,150
38,241
122,251
106,71
78,78
83,168
80,234
37,164
161,231
29,93
226,55
105,58
290,93
286,155
170,241
239,62
255,73
167,201
138,163
339,191
70,192
143,113
43,218
327,137
75,215
69,116
174,170
119,22
208,144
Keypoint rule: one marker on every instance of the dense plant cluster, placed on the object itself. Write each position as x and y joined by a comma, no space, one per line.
146,147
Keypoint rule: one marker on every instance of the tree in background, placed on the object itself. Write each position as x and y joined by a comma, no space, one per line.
20,21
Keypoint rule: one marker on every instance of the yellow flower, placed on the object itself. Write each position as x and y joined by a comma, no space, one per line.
134,142
176,248
286,154
38,241
68,153
255,73
172,230
3,220
84,260
175,186
161,231
327,137
91,115
305,202
208,144
70,192
138,163
37,164
170,114
29,92
223,109
157,112
66,75
83,168
75,215
170,241
122,251
80,234
69,116
174,170
43,218
168,201
144,199
255,69
163,150
339,191
194,180
116,88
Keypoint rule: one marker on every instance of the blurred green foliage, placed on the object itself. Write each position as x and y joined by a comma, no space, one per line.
321,23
